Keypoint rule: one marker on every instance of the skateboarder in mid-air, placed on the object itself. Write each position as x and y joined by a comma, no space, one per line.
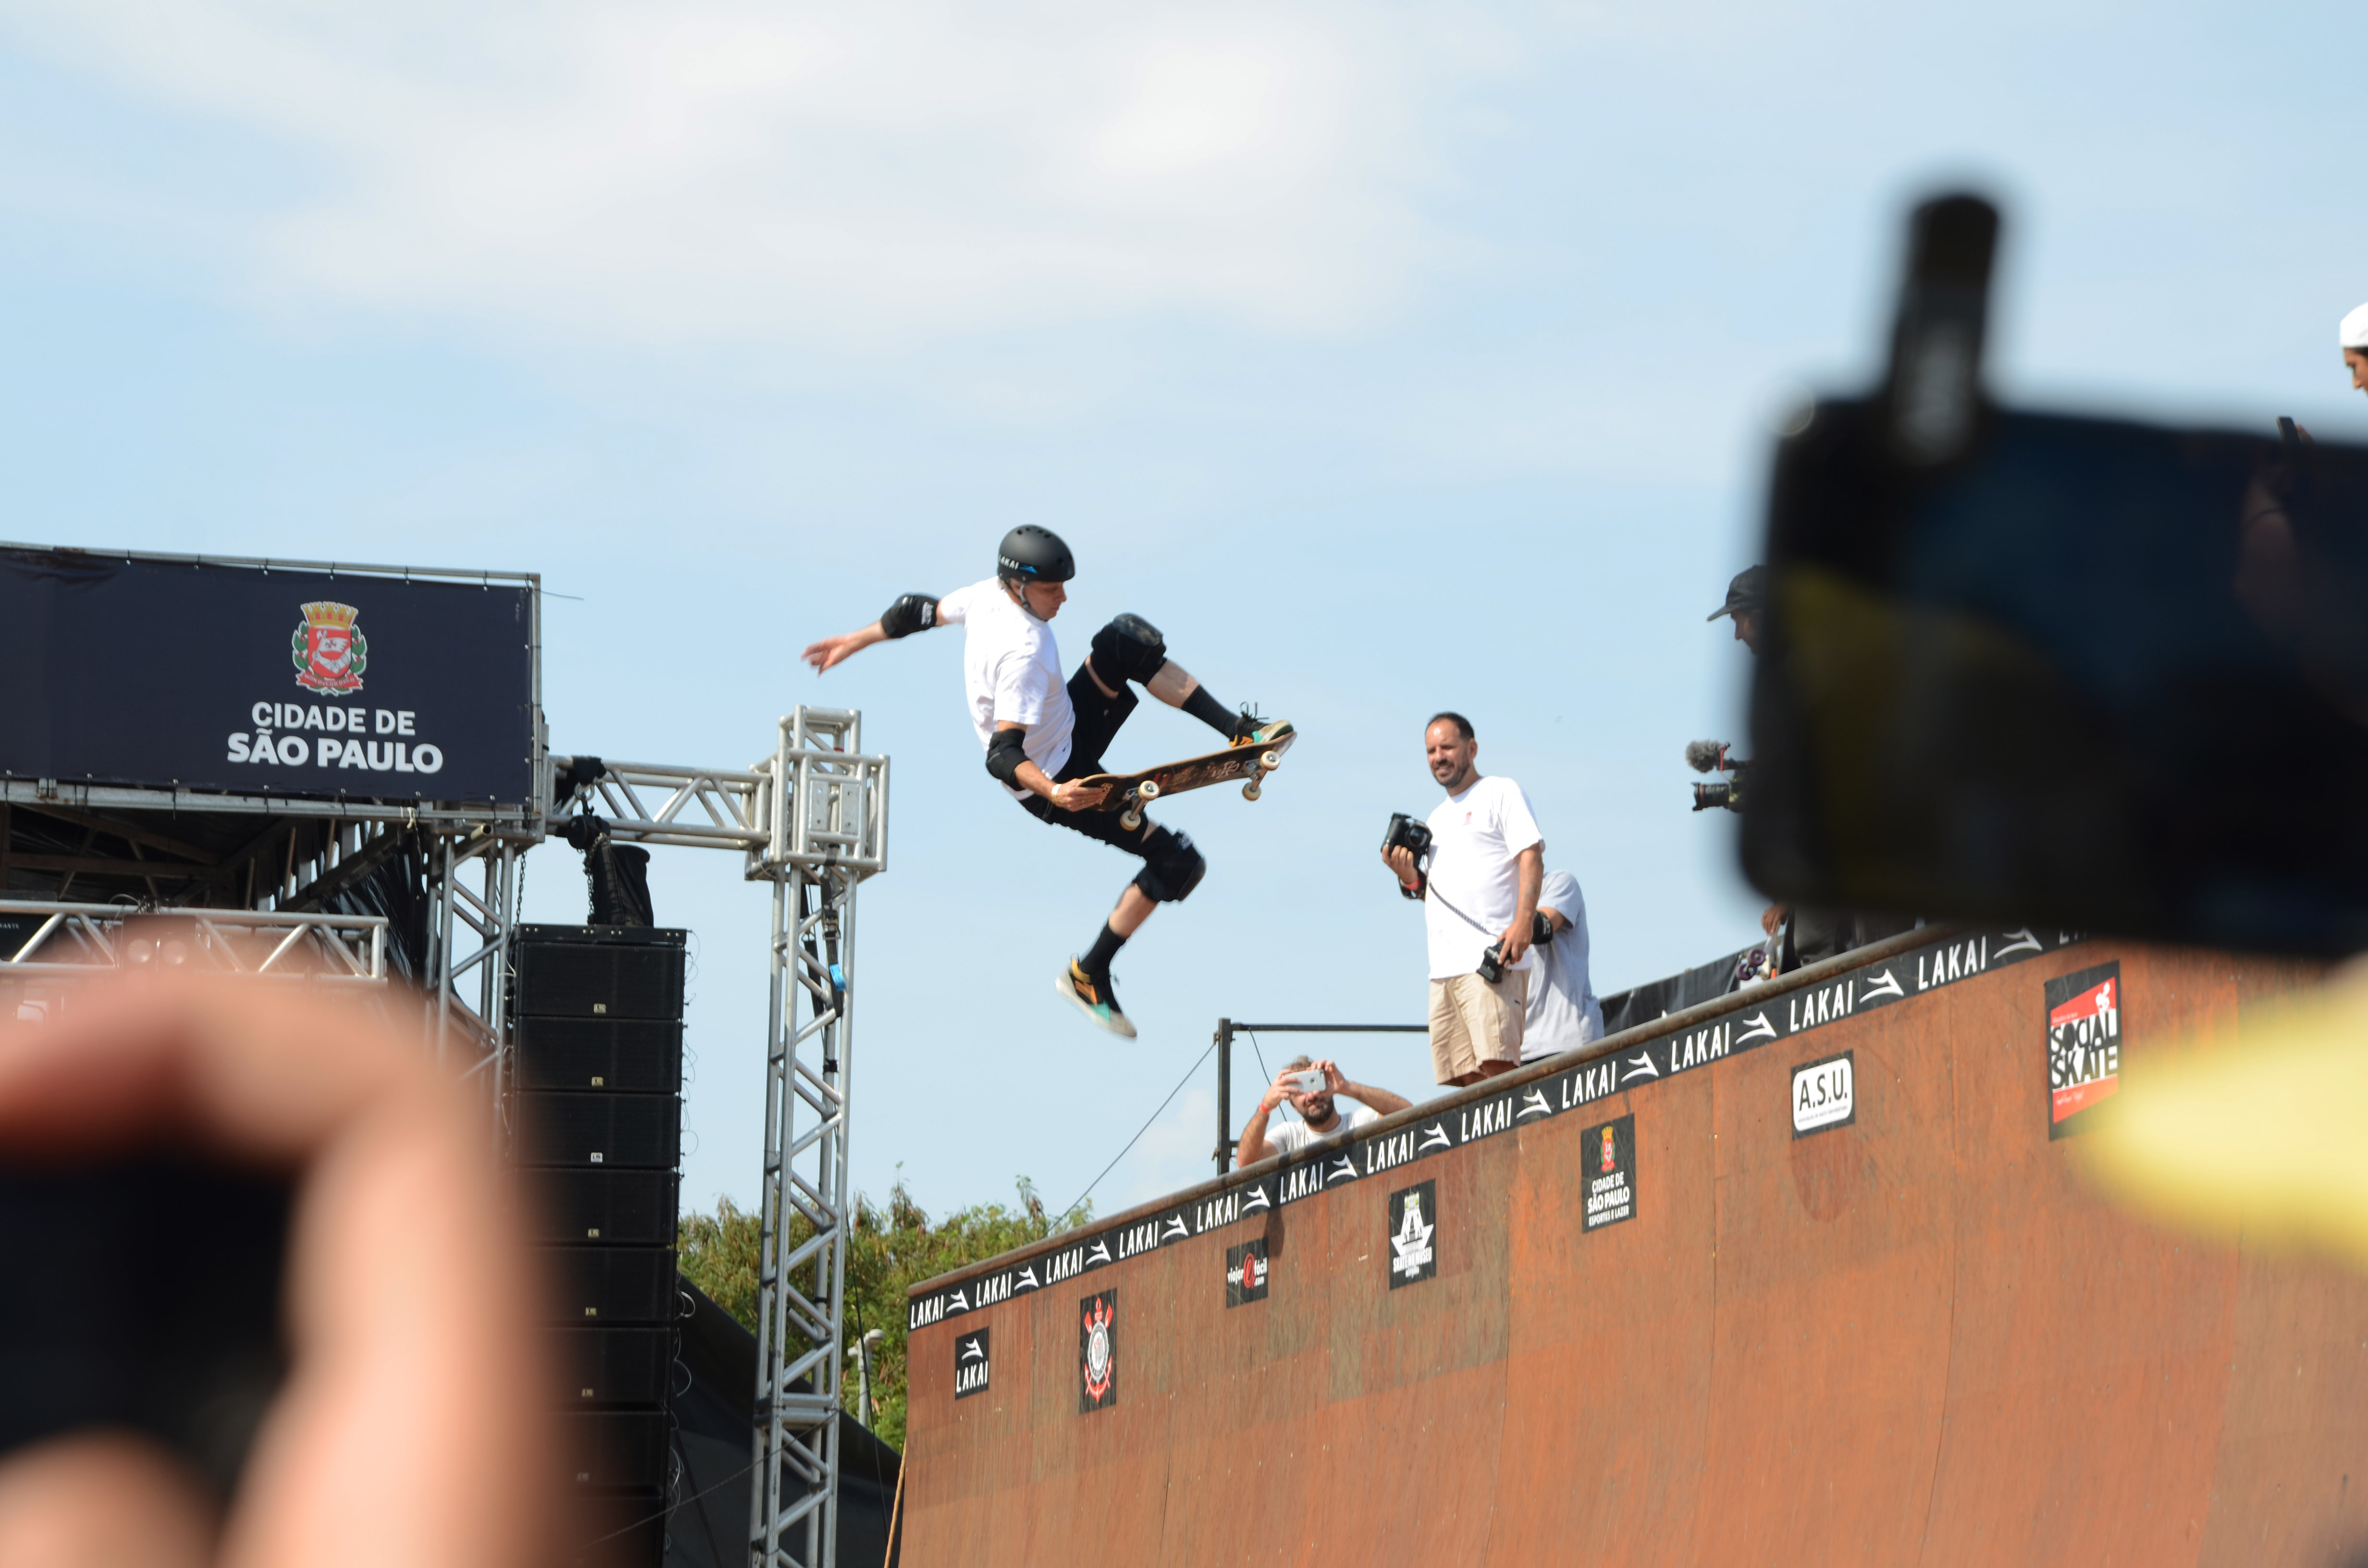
1042,735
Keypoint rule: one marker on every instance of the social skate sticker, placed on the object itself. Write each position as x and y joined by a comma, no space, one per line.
1413,1233
1610,1166
1825,1095
2084,1045
1098,1351
1246,1272
972,1362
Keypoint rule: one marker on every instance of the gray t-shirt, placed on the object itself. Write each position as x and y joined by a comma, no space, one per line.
1290,1137
1563,1012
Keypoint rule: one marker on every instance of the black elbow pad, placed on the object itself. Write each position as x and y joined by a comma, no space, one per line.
914,612
1005,754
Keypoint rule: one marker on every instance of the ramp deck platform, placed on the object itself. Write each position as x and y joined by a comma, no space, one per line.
1915,1337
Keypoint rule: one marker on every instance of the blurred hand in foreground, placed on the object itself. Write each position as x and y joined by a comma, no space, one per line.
409,1433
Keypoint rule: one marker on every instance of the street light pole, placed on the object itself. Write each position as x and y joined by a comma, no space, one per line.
861,1351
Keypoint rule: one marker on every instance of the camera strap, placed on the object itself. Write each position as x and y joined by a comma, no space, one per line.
1432,891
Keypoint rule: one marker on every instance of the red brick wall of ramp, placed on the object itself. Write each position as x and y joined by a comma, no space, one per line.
1914,1340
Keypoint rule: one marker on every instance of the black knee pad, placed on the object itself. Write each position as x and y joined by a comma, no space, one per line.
1171,868
1129,648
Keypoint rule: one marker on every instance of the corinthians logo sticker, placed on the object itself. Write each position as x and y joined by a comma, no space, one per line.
1414,1227
971,1363
328,652
1097,1352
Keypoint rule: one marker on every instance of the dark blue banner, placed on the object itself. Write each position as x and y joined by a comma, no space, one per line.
263,680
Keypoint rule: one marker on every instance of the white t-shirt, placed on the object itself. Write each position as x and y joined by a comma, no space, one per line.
1563,1013
1290,1137
1011,672
1475,837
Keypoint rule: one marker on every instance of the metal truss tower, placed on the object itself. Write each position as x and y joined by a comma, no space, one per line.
813,820
288,863
260,896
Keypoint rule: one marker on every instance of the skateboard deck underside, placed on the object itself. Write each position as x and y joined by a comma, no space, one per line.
1243,764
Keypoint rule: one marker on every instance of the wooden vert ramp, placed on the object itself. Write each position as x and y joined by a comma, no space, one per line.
1915,1337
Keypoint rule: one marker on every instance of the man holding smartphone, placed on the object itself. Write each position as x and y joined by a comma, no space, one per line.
1311,1089
1480,899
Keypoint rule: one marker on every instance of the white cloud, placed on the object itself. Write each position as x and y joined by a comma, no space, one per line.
717,171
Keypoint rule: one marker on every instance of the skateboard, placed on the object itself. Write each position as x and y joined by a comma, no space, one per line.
1251,761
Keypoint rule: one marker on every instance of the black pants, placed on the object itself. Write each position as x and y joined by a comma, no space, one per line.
1099,720
1171,866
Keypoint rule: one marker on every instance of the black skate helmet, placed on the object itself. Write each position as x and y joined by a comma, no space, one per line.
1030,554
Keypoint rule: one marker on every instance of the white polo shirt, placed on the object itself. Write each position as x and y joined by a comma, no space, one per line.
1011,674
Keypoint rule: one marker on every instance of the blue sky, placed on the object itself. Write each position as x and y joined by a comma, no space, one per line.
1389,356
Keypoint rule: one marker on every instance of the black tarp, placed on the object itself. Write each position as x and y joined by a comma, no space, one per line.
714,1407
1659,998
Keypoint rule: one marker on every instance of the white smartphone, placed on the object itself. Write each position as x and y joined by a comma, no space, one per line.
1308,1083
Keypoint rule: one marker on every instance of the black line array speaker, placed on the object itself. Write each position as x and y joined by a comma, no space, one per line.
613,1366
600,1128
595,1118
614,1206
639,1055
600,979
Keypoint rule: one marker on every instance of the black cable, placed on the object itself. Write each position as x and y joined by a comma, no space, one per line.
672,1508
1261,1059
1140,1132
1259,1054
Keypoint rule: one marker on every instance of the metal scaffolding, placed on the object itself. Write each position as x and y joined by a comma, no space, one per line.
811,818
74,941
256,891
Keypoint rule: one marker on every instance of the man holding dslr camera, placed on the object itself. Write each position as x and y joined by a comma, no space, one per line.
1480,906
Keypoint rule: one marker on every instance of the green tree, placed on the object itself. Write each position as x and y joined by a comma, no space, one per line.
892,1249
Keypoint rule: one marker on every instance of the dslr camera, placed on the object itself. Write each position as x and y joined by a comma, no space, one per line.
1412,836
1717,757
1492,957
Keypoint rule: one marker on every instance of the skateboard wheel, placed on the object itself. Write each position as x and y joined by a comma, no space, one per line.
1250,790
1130,820
1147,791
1270,761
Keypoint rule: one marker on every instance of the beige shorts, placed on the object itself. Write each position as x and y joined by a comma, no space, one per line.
1473,1021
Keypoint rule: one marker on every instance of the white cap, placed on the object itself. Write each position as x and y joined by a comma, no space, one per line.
2354,330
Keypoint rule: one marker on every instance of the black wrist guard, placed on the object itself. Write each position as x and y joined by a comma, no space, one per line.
1005,754
914,612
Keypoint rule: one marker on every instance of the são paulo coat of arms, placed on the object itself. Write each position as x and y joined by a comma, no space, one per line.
328,653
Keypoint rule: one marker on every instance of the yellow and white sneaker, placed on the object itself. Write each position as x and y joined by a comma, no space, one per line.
1094,1000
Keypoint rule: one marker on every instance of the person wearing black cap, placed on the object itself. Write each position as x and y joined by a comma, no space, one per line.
1747,597
1804,934
1042,734
1747,602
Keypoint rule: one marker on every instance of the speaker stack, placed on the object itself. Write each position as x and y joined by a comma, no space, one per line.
597,1136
